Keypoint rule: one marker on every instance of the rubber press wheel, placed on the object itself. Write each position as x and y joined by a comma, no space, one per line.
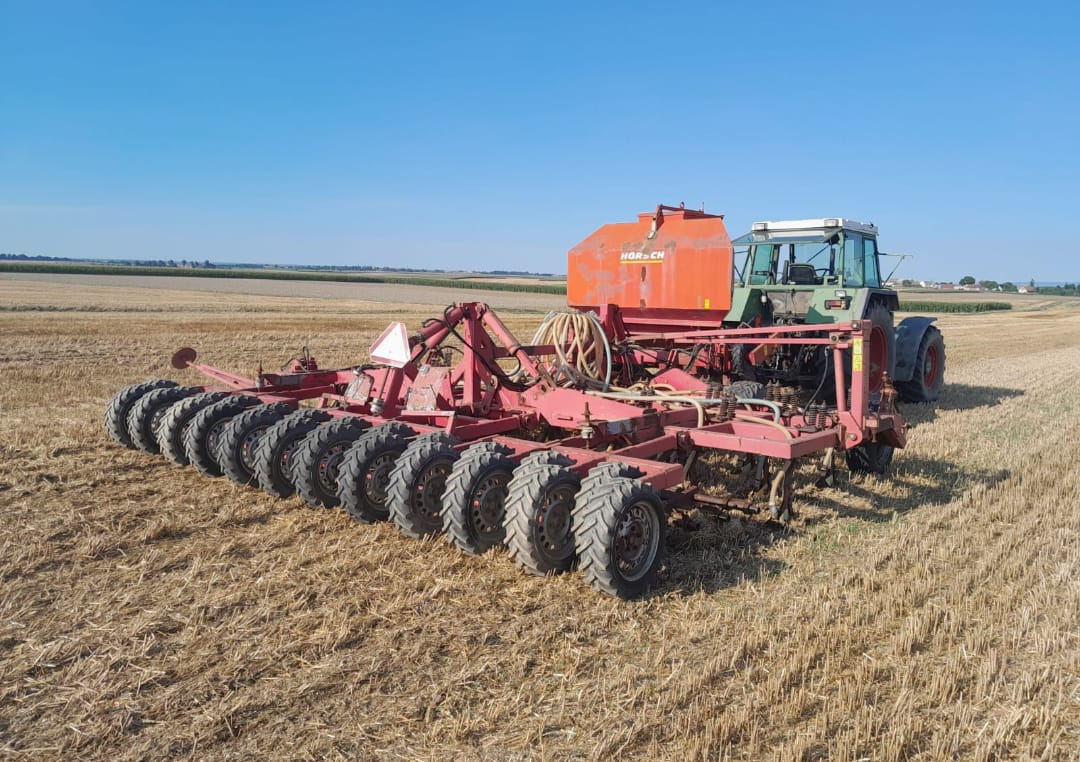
870,457
539,517
235,448
200,438
146,415
417,483
170,432
318,457
364,473
120,405
621,537
276,448
474,504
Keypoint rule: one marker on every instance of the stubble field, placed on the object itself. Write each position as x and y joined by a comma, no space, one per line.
150,612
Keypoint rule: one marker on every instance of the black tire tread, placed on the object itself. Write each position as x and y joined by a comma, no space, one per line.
195,445
275,481
475,462
227,452
419,455
528,485
304,468
390,436
140,421
170,432
915,390
120,405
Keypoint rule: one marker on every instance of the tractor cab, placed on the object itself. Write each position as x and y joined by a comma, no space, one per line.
823,252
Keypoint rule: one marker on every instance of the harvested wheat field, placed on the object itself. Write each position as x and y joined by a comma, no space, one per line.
151,612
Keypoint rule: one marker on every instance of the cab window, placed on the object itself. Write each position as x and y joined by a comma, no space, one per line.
853,260
759,265
870,263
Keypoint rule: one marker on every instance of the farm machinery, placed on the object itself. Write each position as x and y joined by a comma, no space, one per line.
572,450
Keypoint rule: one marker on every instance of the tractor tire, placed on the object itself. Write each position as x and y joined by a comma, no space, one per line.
882,333
146,414
870,458
235,448
741,367
539,518
364,474
170,434
928,378
474,504
621,537
207,426
317,460
748,390
277,447
120,405
417,483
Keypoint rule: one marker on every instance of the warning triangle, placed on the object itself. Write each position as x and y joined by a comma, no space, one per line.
392,348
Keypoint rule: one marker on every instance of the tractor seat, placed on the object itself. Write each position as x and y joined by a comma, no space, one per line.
802,275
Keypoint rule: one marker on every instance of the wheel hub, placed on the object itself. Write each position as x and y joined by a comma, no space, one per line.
636,541
489,504
328,467
377,478
553,519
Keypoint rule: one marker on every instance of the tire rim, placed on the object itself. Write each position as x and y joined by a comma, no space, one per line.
327,468
377,477
214,434
879,357
637,535
930,367
487,504
553,531
427,495
247,447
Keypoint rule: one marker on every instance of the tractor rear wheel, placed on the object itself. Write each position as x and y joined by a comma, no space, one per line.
120,405
364,474
207,426
539,518
621,536
235,450
146,414
870,457
417,483
881,357
275,450
928,377
170,434
474,504
317,460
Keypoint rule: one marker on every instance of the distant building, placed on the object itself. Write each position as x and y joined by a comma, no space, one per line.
1026,290
947,286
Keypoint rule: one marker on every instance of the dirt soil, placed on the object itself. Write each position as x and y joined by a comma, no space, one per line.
150,612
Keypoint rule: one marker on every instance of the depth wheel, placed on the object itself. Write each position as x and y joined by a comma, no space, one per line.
539,518
235,448
170,433
315,463
147,413
364,474
206,427
474,504
870,458
621,536
417,484
120,405
275,450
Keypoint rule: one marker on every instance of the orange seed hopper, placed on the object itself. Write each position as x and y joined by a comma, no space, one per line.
673,259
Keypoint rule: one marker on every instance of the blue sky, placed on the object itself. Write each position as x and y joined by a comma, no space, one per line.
495,136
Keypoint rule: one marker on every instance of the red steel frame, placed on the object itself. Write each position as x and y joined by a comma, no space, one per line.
473,400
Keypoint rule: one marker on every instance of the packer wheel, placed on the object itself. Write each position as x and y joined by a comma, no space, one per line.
621,536
474,504
364,475
276,448
317,459
207,426
235,448
120,405
417,482
539,517
170,434
147,413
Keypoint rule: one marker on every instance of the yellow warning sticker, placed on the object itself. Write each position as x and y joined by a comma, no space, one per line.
707,303
856,353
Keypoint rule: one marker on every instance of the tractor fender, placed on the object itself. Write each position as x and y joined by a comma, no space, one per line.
909,334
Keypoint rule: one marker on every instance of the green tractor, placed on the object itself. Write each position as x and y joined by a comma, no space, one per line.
828,271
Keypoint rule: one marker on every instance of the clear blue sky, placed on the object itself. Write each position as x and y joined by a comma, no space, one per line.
495,136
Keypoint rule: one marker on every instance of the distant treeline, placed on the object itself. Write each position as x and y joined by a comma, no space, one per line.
336,277
1066,289
954,306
